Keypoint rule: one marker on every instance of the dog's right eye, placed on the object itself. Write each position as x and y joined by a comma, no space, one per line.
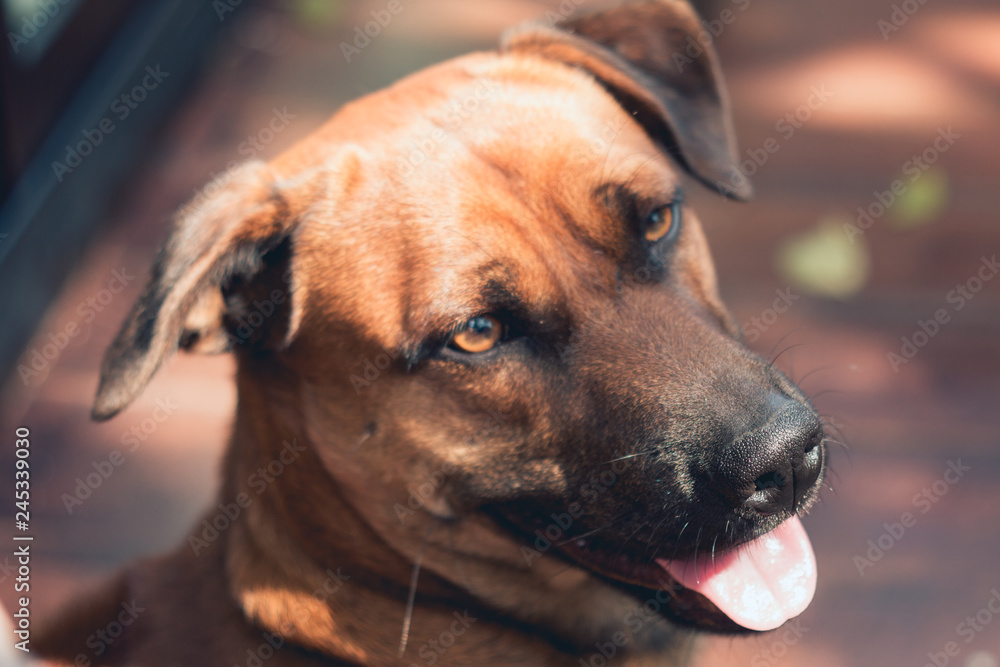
479,334
663,221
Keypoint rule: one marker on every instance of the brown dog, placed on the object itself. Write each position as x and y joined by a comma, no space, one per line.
491,409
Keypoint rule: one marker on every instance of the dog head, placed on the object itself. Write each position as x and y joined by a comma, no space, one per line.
479,299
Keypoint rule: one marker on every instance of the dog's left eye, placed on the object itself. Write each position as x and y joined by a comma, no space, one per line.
479,334
663,221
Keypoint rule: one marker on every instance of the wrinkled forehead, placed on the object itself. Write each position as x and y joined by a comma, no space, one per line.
544,182
506,192
532,141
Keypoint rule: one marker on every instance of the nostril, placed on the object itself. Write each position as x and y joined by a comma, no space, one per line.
774,467
814,442
769,480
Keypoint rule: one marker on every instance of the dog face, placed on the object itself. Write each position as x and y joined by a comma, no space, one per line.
495,324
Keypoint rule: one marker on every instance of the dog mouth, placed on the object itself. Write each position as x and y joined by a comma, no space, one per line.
756,586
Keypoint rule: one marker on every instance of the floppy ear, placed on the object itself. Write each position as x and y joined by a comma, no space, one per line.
222,245
649,56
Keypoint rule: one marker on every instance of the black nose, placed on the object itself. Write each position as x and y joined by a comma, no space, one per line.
772,468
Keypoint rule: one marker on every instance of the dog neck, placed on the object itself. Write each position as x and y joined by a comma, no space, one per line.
302,563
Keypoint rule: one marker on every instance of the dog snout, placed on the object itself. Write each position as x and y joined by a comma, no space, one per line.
773,468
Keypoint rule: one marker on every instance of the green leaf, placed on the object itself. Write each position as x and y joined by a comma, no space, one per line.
317,13
824,262
923,201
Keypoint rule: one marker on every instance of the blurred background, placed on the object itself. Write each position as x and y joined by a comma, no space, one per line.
870,128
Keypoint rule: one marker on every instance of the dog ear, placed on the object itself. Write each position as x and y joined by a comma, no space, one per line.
223,244
641,52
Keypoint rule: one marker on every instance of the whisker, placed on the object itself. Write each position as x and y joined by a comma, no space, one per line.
649,542
780,341
820,369
824,392
841,439
832,471
411,598
829,423
697,542
770,364
828,438
630,456
591,532
677,540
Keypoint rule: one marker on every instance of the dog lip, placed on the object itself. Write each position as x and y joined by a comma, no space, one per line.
643,579
647,581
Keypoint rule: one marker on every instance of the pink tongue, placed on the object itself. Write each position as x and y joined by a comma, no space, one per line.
760,585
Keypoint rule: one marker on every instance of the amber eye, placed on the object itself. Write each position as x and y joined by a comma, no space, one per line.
662,221
478,335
